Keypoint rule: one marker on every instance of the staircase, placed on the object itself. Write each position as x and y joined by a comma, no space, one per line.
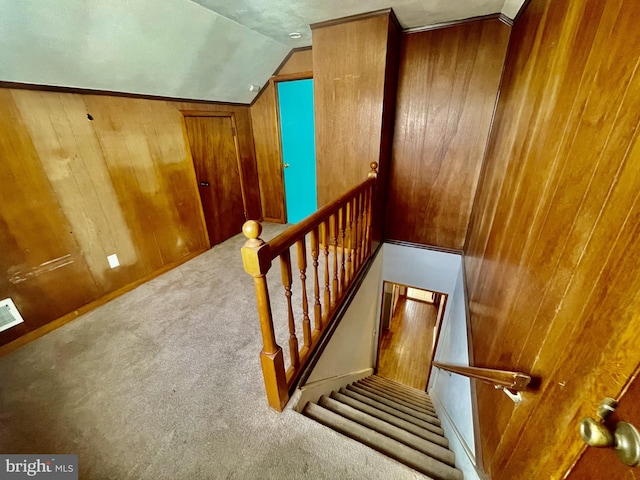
391,418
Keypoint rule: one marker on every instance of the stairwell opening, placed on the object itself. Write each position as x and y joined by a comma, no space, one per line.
346,366
410,321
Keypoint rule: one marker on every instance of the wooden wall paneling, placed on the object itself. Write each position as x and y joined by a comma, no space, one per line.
267,145
264,120
249,171
177,178
176,226
72,159
349,77
527,179
120,130
490,208
77,190
42,266
392,65
448,86
147,162
166,225
570,178
300,61
552,247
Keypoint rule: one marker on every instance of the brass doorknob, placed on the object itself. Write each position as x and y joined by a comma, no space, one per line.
595,434
625,439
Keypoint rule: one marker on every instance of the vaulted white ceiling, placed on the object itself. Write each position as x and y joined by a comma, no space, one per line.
200,49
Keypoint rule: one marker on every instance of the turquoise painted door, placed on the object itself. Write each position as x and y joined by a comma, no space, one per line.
295,102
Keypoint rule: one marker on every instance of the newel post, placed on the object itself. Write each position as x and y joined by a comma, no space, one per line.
256,259
373,173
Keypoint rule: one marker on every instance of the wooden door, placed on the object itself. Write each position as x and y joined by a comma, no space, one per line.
604,462
215,158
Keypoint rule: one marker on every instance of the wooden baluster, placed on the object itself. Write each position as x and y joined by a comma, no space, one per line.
285,267
342,222
360,230
363,240
368,222
256,259
365,223
334,242
302,265
317,307
354,235
325,246
358,212
349,232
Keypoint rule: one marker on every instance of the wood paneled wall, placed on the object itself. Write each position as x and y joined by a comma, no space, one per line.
553,246
264,118
299,61
355,76
447,89
76,190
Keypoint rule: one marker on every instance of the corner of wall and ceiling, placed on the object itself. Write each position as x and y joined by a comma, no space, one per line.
209,50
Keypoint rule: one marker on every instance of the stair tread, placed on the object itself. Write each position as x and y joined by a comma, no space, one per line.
408,426
397,399
427,416
420,398
392,411
392,448
395,396
410,392
397,433
405,390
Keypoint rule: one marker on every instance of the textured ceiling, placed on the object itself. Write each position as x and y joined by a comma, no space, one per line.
201,49
276,18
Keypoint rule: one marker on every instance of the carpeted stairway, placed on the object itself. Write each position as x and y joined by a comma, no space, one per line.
392,418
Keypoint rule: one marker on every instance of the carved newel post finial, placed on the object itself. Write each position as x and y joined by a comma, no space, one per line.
255,252
374,170
252,231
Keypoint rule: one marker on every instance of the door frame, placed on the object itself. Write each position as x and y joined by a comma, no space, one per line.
273,81
443,297
232,117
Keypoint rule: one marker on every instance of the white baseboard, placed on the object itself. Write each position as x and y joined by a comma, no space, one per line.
465,458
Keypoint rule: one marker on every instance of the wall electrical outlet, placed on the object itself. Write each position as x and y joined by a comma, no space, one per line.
9,315
113,261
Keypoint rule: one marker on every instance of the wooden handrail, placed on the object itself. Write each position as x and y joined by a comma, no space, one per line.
340,243
517,381
300,229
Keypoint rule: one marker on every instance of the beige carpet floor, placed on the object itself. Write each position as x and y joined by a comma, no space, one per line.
164,382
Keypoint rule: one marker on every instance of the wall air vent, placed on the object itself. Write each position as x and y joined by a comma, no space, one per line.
9,315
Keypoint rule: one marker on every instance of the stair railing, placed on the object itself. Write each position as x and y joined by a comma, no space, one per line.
516,381
339,237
